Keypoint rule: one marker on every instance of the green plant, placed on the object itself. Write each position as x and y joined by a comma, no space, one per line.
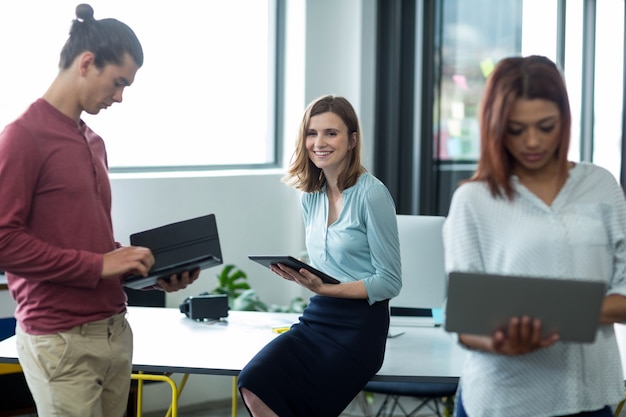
232,281
249,301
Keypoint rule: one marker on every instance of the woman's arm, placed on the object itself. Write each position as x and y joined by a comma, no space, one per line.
613,309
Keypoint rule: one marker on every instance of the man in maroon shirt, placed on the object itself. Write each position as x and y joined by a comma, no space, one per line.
63,266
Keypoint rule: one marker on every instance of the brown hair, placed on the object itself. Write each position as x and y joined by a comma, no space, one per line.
302,173
532,77
108,39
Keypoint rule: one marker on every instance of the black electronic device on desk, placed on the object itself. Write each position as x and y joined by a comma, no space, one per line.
205,307
178,247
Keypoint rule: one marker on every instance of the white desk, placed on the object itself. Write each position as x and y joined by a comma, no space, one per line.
424,354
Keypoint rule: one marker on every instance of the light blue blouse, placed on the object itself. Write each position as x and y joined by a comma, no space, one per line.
582,235
362,244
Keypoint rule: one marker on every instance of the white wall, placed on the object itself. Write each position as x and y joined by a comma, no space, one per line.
340,53
7,303
256,212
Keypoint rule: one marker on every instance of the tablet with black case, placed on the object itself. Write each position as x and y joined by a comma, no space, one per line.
290,261
178,247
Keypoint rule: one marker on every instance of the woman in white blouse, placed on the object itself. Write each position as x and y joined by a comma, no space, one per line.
529,211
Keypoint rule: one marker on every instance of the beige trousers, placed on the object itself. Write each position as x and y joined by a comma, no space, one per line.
84,372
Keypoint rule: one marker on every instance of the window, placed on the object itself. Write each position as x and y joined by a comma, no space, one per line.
474,36
608,85
205,95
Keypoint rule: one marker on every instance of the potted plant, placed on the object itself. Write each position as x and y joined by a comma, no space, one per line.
232,281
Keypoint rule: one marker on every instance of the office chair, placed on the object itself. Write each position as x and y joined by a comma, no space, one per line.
16,397
620,406
432,394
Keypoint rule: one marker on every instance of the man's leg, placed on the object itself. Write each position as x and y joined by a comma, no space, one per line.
117,377
68,372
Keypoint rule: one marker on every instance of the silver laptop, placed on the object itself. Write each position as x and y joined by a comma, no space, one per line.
482,303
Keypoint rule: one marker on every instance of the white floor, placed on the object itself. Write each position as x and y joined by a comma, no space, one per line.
358,408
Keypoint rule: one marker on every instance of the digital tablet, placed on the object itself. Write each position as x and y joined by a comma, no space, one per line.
481,303
177,247
290,261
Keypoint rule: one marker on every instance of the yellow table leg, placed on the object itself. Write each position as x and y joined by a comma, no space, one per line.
179,391
618,410
234,399
140,377
139,397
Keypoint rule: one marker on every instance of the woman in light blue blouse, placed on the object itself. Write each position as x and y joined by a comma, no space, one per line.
529,211
321,363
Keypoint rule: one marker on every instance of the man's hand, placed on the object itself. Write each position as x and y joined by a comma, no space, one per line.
179,281
128,259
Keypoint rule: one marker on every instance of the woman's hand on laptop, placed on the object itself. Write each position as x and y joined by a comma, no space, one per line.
179,281
522,336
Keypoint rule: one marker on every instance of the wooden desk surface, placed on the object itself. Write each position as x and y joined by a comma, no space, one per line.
3,282
167,341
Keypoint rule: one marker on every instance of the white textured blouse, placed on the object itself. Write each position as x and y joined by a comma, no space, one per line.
582,235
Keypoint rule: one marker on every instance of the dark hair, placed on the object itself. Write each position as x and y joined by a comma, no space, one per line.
532,77
108,39
303,174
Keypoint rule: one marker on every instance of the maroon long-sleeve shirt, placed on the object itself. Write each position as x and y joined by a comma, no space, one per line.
55,221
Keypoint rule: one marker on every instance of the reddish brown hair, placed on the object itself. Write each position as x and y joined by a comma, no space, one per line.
532,77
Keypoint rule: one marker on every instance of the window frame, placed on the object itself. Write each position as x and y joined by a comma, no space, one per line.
276,103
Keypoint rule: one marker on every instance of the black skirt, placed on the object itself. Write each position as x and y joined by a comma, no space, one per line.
317,367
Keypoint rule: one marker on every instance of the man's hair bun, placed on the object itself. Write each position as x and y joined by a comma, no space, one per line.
84,12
